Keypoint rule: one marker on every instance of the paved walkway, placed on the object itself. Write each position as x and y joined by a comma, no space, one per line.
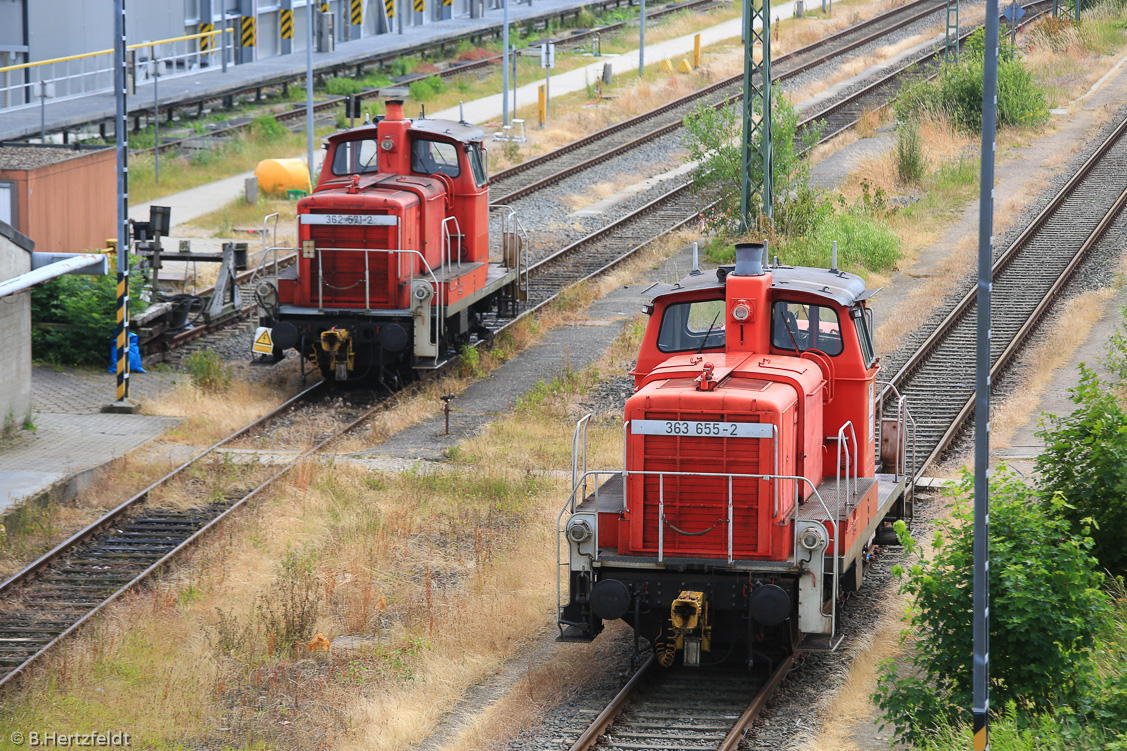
99,107
72,437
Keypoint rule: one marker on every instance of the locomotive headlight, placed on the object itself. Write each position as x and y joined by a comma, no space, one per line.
387,144
812,538
421,292
741,312
578,531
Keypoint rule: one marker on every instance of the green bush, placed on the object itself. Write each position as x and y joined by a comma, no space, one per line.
427,88
957,91
1085,463
1046,611
343,86
79,314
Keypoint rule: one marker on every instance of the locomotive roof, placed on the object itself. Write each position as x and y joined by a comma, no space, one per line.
458,131
840,286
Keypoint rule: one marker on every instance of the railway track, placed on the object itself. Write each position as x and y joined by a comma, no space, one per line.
297,114
1028,276
534,174
683,709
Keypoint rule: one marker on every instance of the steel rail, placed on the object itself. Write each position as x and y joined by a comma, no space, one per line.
1030,323
9,587
701,94
736,734
590,736
325,105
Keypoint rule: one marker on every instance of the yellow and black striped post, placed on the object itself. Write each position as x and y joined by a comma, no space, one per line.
287,24
357,14
206,42
324,7
122,259
249,35
389,8
420,5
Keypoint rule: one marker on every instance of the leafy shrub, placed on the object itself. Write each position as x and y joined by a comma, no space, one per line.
427,88
207,371
80,314
401,66
266,128
1046,610
1085,463
957,91
343,86
909,152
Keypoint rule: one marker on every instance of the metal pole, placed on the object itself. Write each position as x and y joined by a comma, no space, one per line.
505,66
401,12
547,83
309,88
514,80
981,601
642,43
122,205
156,123
223,41
756,104
42,111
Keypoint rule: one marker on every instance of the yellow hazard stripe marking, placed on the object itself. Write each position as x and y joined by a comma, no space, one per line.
357,12
420,6
389,6
980,740
287,24
324,7
248,31
205,42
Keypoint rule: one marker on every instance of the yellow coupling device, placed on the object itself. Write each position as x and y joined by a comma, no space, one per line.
689,618
337,345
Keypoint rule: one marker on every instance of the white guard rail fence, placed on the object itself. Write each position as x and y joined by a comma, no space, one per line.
31,84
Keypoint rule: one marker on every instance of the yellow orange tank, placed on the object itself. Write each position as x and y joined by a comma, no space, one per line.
276,176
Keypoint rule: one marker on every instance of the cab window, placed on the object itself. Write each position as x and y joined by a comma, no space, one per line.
692,326
802,326
864,336
477,163
434,157
355,157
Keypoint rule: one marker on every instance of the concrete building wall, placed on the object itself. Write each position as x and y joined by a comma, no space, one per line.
15,329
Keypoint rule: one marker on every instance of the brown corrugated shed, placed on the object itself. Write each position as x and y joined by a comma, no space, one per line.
65,199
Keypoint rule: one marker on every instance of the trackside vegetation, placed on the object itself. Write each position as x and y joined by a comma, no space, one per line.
1058,630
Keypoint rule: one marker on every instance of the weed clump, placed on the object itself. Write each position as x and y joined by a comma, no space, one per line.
910,159
207,371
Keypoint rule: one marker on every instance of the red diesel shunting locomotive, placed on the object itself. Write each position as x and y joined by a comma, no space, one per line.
750,499
393,271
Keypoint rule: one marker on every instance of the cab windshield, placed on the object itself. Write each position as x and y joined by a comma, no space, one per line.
355,157
692,326
798,327
477,163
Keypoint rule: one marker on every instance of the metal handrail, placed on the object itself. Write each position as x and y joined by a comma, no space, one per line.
69,58
908,468
581,480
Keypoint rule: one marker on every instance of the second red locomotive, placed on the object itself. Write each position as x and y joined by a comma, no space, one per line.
757,470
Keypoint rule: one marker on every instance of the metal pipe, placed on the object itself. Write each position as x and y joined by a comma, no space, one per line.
505,66
309,88
50,271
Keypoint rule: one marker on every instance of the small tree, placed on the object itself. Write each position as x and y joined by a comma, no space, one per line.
714,145
1046,608
1085,462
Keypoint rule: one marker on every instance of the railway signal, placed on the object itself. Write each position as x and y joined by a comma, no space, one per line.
122,328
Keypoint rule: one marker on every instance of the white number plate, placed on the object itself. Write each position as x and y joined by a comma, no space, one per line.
701,429
359,220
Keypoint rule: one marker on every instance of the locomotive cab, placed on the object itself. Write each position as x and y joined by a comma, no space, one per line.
749,480
393,270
